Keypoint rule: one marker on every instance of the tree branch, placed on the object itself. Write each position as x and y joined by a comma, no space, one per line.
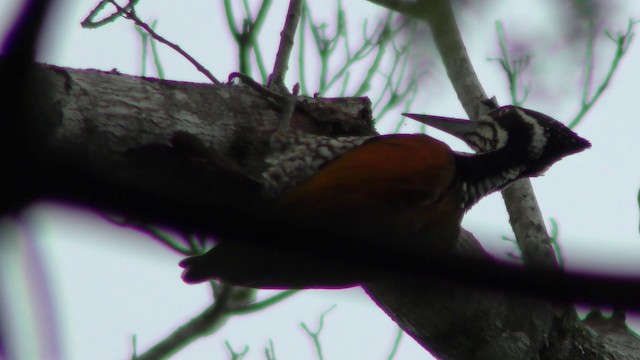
524,213
286,44
204,324
94,155
508,323
129,13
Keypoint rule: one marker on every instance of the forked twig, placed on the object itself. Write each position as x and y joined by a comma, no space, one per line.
128,12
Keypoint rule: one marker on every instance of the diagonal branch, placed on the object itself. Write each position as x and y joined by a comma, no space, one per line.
286,44
203,324
129,13
524,213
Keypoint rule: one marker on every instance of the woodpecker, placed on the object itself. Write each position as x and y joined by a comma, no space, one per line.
399,194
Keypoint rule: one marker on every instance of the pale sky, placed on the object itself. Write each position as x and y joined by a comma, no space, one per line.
109,283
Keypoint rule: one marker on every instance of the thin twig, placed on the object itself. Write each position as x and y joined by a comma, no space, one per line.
379,38
131,15
228,10
195,245
236,355
281,65
554,234
315,335
246,39
144,39
261,305
385,37
203,324
393,83
439,15
247,10
588,64
326,45
286,44
88,22
255,30
513,68
260,62
270,352
153,233
154,52
134,347
622,41
301,55
396,344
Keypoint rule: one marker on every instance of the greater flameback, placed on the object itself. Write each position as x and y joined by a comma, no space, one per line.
393,195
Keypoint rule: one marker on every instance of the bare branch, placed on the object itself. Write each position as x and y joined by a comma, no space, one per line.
246,39
204,324
270,352
286,44
257,25
396,344
228,11
261,305
513,68
129,13
622,41
89,23
315,335
154,233
236,355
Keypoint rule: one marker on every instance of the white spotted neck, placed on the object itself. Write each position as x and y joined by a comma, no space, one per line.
475,189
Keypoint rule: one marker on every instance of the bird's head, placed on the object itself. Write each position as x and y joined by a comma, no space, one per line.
525,136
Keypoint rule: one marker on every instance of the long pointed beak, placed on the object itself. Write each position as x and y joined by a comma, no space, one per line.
459,128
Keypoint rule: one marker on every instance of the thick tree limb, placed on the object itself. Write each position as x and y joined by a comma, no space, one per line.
90,119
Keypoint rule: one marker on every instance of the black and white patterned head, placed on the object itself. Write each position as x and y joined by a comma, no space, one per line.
513,143
521,136
547,140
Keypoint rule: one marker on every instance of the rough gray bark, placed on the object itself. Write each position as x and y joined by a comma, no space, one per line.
95,116
456,322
